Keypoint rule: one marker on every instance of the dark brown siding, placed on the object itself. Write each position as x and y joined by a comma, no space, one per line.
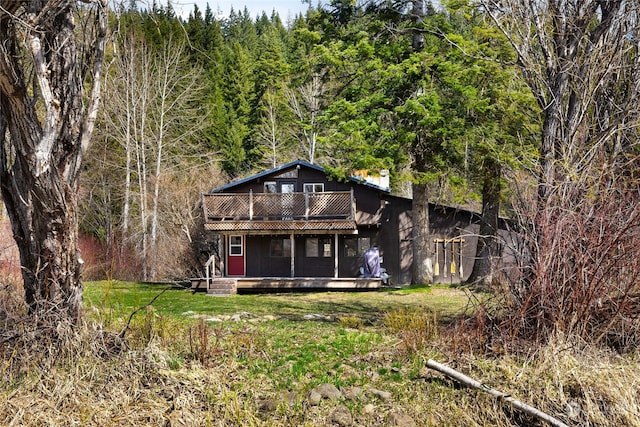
349,266
455,255
314,266
260,263
394,237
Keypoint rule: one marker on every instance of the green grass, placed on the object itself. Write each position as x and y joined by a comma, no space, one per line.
121,298
355,342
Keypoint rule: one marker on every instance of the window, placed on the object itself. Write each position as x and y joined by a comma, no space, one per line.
270,187
356,246
280,247
318,247
287,187
314,188
235,245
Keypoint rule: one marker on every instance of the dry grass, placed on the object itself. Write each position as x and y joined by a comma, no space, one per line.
168,372
417,328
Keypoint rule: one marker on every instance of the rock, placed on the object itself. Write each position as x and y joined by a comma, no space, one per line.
400,419
572,409
242,315
382,395
342,416
328,391
314,398
369,409
315,316
269,317
212,319
266,405
354,394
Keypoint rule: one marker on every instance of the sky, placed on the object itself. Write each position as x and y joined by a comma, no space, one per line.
285,8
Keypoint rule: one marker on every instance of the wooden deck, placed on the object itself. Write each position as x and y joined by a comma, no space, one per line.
225,286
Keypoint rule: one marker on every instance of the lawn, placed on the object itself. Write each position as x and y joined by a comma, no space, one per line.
120,298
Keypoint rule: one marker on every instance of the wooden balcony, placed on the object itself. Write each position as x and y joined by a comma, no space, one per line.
279,212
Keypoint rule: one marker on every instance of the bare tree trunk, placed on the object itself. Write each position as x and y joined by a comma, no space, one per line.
417,12
49,130
268,131
422,265
127,178
142,195
307,112
487,249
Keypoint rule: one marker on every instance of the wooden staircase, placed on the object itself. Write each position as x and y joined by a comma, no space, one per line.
222,287
218,286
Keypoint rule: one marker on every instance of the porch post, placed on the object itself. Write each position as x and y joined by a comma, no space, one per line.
293,255
335,255
225,247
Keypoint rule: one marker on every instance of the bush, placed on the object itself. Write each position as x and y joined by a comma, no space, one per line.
581,281
416,327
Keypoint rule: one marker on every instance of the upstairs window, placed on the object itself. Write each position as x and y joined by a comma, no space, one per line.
270,187
314,188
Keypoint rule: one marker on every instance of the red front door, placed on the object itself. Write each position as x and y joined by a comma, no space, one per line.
235,256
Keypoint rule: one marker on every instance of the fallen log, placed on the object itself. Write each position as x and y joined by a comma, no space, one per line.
470,382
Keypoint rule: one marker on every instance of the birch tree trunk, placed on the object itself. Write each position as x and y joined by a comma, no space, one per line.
153,114
49,91
305,102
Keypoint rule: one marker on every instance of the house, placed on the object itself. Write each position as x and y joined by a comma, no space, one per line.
293,226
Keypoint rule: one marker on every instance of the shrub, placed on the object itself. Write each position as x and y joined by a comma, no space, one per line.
581,281
416,327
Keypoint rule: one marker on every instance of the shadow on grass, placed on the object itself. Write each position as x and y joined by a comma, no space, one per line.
369,306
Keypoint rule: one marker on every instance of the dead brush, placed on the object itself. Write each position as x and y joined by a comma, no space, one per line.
416,327
57,372
592,386
11,297
56,377
205,343
568,379
579,256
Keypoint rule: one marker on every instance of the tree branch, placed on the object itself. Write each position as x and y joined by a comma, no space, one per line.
470,382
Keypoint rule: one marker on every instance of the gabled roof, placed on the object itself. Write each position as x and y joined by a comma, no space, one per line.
295,163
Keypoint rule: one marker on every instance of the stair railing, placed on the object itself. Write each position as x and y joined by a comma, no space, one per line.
210,270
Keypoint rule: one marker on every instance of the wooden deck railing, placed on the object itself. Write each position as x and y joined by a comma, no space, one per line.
278,206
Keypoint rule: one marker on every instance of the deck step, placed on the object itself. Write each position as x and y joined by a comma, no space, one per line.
198,284
222,287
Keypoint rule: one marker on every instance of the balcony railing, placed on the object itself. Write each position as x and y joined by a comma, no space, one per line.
278,206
